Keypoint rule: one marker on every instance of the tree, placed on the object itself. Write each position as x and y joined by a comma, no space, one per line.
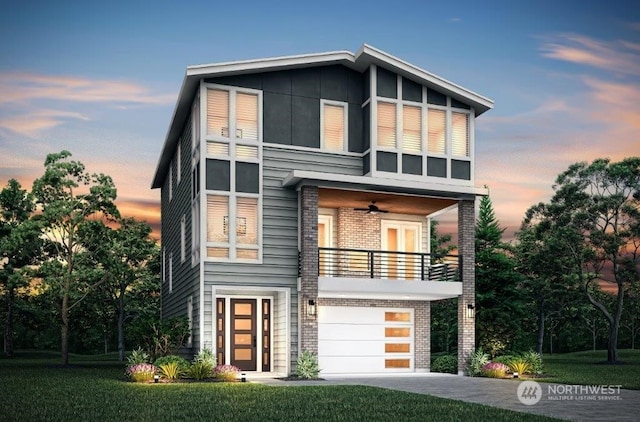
548,287
125,253
499,305
20,247
595,211
69,199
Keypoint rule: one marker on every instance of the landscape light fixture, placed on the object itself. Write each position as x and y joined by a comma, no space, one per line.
471,310
311,307
156,378
243,377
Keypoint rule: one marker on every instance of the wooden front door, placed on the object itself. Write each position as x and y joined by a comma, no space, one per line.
243,334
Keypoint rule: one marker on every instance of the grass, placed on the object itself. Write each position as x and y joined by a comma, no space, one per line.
588,368
34,387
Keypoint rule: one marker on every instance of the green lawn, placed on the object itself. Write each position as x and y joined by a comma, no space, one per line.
588,368
33,387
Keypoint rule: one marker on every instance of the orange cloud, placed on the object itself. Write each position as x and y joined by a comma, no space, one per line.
616,56
37,120
22,87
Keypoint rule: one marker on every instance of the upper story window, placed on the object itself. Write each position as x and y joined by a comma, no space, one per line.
460,134
387,126
334,125
437,131
412,128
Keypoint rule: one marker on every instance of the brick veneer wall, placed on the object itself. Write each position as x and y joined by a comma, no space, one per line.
308,340
466,248
358,230
422,317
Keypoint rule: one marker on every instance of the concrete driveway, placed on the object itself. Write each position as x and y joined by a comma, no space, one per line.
578,403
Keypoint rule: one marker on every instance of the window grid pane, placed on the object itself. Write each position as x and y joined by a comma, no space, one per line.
436,131
218,112
246,151
412,128
334,127
386,125
217,218
247,116
247,221
460,134
217,148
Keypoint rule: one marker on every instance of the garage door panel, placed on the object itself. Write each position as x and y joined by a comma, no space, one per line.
350,348
352,364
348,331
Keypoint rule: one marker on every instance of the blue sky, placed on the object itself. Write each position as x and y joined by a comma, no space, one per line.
101,79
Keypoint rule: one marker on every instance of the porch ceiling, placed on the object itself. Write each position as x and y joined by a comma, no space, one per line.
401,204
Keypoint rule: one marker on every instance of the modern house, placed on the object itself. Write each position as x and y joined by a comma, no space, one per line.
297,194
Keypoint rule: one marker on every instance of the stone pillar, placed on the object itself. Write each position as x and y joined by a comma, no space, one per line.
309,268
466,249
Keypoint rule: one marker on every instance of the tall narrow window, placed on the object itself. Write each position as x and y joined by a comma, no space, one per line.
171,180
164,265
179,163
195,232
437,131
218,112
170,272
247,116
183,235
333,127
460,134
386,125
217,218
412,128
247,221
190,319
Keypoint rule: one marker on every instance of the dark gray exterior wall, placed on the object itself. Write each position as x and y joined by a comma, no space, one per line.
185,276
291,102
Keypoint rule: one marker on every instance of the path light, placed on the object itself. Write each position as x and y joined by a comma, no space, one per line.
243,377
515,375
471,310
156,378
311,307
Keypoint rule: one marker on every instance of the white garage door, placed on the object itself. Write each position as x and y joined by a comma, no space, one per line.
365,340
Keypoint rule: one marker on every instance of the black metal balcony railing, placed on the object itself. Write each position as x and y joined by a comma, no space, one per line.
362,263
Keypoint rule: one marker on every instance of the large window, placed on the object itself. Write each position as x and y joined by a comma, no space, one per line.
386,125
334,126
460,134
233,173
437,131
412,128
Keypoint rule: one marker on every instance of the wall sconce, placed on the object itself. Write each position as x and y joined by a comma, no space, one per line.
471,310
311,307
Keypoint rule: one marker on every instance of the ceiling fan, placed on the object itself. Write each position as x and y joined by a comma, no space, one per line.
371,209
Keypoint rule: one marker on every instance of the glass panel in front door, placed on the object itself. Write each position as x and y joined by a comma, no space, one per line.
243,334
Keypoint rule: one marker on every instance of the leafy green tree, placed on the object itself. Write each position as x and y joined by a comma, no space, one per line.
20,247
548,287
595,211
126,253
498,300
70,199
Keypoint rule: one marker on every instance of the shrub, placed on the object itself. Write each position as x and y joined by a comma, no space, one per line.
494,370
534,360
138,356
520,366
504,359
205,356
476,361
162,338
446,363
170,370
307,366
200,370
226,372
181,362
141,372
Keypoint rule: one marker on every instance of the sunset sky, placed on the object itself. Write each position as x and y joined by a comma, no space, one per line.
101,80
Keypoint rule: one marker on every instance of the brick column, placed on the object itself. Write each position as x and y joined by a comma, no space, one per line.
309,268
466,249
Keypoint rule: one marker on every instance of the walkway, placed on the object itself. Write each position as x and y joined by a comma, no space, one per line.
558,400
